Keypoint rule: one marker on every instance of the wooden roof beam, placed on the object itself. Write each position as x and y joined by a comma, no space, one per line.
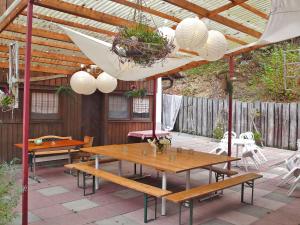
47,43
5,55
83,12
220,19
72,24
44,69
11,13
50,55
255,11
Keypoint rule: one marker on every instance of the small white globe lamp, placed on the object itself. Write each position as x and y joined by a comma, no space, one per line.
83,83
215,47
191,33
169,33
106,83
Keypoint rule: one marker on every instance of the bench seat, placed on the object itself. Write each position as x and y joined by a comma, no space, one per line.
189,195
55,152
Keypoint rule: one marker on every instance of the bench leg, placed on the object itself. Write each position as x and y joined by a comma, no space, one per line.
251,185
190,205
147,199
84,185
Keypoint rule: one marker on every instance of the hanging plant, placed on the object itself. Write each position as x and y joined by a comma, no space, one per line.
141,45
136,93
7,101
64,90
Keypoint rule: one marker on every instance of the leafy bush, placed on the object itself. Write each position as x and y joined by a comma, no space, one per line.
218,131
9,192
257,138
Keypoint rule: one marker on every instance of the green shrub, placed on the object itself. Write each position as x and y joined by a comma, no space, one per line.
218,131
257,138
9,192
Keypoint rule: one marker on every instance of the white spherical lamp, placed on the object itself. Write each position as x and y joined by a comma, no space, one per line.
83,83
191,33
106,83
215,47
169,33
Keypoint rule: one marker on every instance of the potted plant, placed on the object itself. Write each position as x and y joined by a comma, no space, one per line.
257,138
218,132
6,101
134,92
160,144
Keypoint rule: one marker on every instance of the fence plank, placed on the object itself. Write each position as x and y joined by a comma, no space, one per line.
190,114
199,114
204,118
285,125
270,122
238,113
278,125
185,114
293,126
209,117
263,121
244,117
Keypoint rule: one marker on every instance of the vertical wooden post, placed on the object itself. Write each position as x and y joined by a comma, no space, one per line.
26,101
231,74
154,108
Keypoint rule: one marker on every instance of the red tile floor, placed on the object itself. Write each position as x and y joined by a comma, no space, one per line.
58,201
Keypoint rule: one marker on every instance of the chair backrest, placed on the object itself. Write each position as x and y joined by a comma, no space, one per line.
293,162
233,135
51,138
247,135
88,141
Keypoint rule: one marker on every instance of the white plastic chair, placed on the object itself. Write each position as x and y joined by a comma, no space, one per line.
248,152
293,176
256,148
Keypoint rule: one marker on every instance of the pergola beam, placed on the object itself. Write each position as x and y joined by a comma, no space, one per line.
54,56
5,55
218,18
38,68
83,12
67,46
255,11
11,13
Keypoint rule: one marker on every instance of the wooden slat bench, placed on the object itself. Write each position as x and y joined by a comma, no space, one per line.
189,195
150,192
221,172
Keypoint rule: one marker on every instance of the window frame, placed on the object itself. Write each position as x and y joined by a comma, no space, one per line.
44,117
130,107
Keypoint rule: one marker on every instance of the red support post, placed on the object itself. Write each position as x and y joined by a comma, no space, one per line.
231,75
154,108
26,101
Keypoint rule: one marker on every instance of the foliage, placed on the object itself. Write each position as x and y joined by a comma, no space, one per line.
229,86
7,101
141,44
218,132
160,143
65,90
9,192
257,137
137,93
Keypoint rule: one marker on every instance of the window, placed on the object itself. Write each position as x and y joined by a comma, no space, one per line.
122,108
141,108
118,107
44,105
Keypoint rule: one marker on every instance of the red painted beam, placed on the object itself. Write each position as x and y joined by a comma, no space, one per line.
26,101
231,75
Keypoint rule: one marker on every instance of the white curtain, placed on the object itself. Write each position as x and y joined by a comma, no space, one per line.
171,106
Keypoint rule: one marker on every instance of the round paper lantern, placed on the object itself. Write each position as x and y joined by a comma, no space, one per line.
83,83
191,33
169,33
106,83
215,47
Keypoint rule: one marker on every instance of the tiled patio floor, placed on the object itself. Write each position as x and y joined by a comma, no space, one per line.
58,201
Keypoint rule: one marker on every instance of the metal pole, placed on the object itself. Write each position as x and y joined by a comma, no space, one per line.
154,108
231,74
26,101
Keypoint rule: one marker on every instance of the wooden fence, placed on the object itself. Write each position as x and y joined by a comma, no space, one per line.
279,123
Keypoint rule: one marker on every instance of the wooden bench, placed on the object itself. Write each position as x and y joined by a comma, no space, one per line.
220,172
150,192
189,195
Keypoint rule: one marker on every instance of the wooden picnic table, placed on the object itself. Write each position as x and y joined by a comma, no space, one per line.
57,145
172,161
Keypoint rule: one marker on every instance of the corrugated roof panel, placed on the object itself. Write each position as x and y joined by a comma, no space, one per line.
210,4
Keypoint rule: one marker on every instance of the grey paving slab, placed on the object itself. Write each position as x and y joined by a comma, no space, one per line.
216,222
117,220
279,197
31,219
253,210
127,194
53,191
80,205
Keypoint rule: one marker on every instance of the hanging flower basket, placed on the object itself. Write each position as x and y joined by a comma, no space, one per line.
7,102
135,93
141,45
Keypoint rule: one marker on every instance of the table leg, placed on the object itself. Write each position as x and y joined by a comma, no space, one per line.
164,187
120,168
97,167
34,166
210,175
70,159
237,154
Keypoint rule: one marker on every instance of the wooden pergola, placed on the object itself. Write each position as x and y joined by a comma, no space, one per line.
45,48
